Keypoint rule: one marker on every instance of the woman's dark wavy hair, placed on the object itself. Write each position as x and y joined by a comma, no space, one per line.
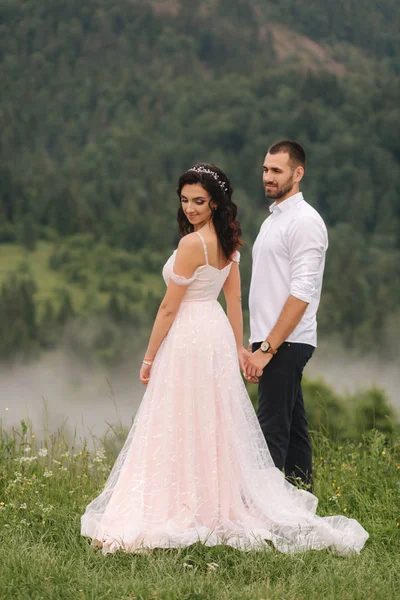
224,219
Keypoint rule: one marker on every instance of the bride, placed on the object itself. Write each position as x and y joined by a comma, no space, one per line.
195,465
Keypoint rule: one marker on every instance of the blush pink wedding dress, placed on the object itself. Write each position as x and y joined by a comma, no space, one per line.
195,465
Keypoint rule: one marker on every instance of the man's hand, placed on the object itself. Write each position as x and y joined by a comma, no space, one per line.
256,362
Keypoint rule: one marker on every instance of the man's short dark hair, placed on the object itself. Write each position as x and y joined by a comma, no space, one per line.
297,155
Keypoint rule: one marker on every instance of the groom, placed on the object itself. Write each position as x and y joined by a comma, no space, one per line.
285,289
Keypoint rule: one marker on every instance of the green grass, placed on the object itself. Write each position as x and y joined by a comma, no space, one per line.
43,556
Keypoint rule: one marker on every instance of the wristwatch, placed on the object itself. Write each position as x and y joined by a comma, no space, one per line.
267,348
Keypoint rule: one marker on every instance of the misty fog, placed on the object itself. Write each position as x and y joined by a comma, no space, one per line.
59,391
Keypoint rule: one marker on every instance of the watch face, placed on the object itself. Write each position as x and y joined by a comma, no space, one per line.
265,346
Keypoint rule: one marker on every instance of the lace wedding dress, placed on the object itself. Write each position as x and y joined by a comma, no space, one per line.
195,465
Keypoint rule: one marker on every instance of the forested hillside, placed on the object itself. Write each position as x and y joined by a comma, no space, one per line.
371,25
104,102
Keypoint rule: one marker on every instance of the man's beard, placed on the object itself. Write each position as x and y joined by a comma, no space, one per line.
278,193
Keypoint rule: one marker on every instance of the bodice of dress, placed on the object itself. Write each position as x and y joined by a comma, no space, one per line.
205,283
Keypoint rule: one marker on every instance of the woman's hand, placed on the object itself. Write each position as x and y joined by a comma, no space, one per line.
243,356
145,373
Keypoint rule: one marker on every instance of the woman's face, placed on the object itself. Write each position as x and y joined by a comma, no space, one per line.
195,202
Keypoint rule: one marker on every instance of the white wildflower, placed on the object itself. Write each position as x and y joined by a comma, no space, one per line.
100,456
43,452
23,505
26,459
48,473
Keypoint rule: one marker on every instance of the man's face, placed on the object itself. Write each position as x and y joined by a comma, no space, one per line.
279,177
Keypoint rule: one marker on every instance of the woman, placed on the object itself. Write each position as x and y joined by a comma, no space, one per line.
195,465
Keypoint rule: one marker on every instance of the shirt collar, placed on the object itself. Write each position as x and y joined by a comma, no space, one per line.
286,204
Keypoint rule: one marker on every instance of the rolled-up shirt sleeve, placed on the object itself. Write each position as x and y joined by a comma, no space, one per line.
307,243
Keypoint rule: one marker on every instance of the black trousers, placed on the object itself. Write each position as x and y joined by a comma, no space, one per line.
281,411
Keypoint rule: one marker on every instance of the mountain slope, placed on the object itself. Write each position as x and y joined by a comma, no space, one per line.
104,103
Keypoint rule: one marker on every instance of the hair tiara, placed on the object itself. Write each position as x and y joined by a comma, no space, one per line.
221,184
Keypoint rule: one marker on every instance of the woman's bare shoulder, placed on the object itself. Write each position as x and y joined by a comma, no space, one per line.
190,242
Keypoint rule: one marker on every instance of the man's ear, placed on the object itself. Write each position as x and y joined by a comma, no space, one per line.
298,174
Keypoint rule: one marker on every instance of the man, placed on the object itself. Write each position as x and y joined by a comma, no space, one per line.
285,289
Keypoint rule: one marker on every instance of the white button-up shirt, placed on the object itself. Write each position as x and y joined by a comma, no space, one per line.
288,259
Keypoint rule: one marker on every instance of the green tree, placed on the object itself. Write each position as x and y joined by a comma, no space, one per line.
66,309
49,327
28,233
17,316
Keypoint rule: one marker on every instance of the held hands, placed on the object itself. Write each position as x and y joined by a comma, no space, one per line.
256,362
252,365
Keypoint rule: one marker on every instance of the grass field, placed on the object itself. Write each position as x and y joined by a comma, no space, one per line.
46,485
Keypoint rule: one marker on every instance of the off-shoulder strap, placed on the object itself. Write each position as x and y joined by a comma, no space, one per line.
204,246
179,280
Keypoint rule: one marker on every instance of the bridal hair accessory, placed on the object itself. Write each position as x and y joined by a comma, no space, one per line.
221,184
